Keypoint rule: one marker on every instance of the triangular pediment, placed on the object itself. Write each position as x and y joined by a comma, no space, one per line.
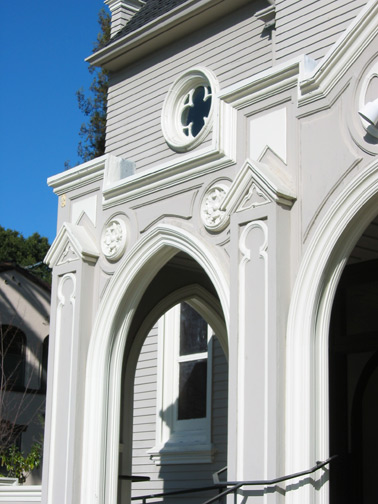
72,243
253,198
258,184
255,185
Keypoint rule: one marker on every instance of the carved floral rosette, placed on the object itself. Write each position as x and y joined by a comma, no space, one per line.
214,217
113,239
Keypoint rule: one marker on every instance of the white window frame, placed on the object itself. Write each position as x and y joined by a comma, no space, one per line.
179,441
174,104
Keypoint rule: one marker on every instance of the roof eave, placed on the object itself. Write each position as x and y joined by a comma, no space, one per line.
175,24
9,266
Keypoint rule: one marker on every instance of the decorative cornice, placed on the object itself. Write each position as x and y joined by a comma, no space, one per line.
313,80
165,29
108,167
267,83
79,176
341,56
121,183
221,153
80,244
166,175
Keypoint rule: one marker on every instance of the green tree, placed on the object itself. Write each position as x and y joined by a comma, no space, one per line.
15,464
92,133
28,252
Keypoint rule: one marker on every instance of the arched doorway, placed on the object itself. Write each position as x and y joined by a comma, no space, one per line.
307,379
353,375
175,381
122,323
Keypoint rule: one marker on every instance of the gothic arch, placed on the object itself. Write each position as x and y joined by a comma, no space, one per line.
108,339
307,431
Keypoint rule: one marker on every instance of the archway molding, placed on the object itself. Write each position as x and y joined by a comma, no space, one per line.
108,340
200,299
207,306
307,418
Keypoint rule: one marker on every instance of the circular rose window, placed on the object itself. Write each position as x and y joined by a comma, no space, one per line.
189,108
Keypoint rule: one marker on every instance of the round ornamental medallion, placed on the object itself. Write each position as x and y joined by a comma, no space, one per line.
188,109
113,239
213,216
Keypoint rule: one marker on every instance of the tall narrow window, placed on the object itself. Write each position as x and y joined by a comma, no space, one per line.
184,384
45,353
12,357
192,365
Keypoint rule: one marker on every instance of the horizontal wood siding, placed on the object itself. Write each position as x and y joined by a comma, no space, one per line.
145,386
311,26
232,48
170,477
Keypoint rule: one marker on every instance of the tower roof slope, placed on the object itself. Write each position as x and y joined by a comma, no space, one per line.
150,11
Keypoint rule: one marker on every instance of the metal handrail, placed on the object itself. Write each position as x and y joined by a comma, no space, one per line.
238,484
234,485
217,486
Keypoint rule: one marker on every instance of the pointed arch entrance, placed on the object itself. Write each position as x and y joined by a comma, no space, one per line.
133,291
307,413
173,452
353,375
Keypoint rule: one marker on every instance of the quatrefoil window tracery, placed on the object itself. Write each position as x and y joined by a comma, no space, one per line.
189,109
195,110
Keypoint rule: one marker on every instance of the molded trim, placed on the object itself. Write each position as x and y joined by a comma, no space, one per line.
313,80
220,154
79,176
341,56
308,325
24,493
165,29
273,185
106,350
185,450
73,239
171,117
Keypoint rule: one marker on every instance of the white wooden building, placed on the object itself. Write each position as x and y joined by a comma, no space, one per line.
24,337
216,271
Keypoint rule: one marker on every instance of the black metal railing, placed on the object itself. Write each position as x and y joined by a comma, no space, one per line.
227,487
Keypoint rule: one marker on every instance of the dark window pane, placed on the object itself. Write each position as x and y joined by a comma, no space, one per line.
197,113
12,356
192,389
45,353
193,331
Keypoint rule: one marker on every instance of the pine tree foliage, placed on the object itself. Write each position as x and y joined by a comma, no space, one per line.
28,252
92,133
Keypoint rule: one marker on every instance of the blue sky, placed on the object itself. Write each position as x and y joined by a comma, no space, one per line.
42,45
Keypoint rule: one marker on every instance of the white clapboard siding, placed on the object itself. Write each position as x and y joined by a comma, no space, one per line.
232,48
311,26
179,476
